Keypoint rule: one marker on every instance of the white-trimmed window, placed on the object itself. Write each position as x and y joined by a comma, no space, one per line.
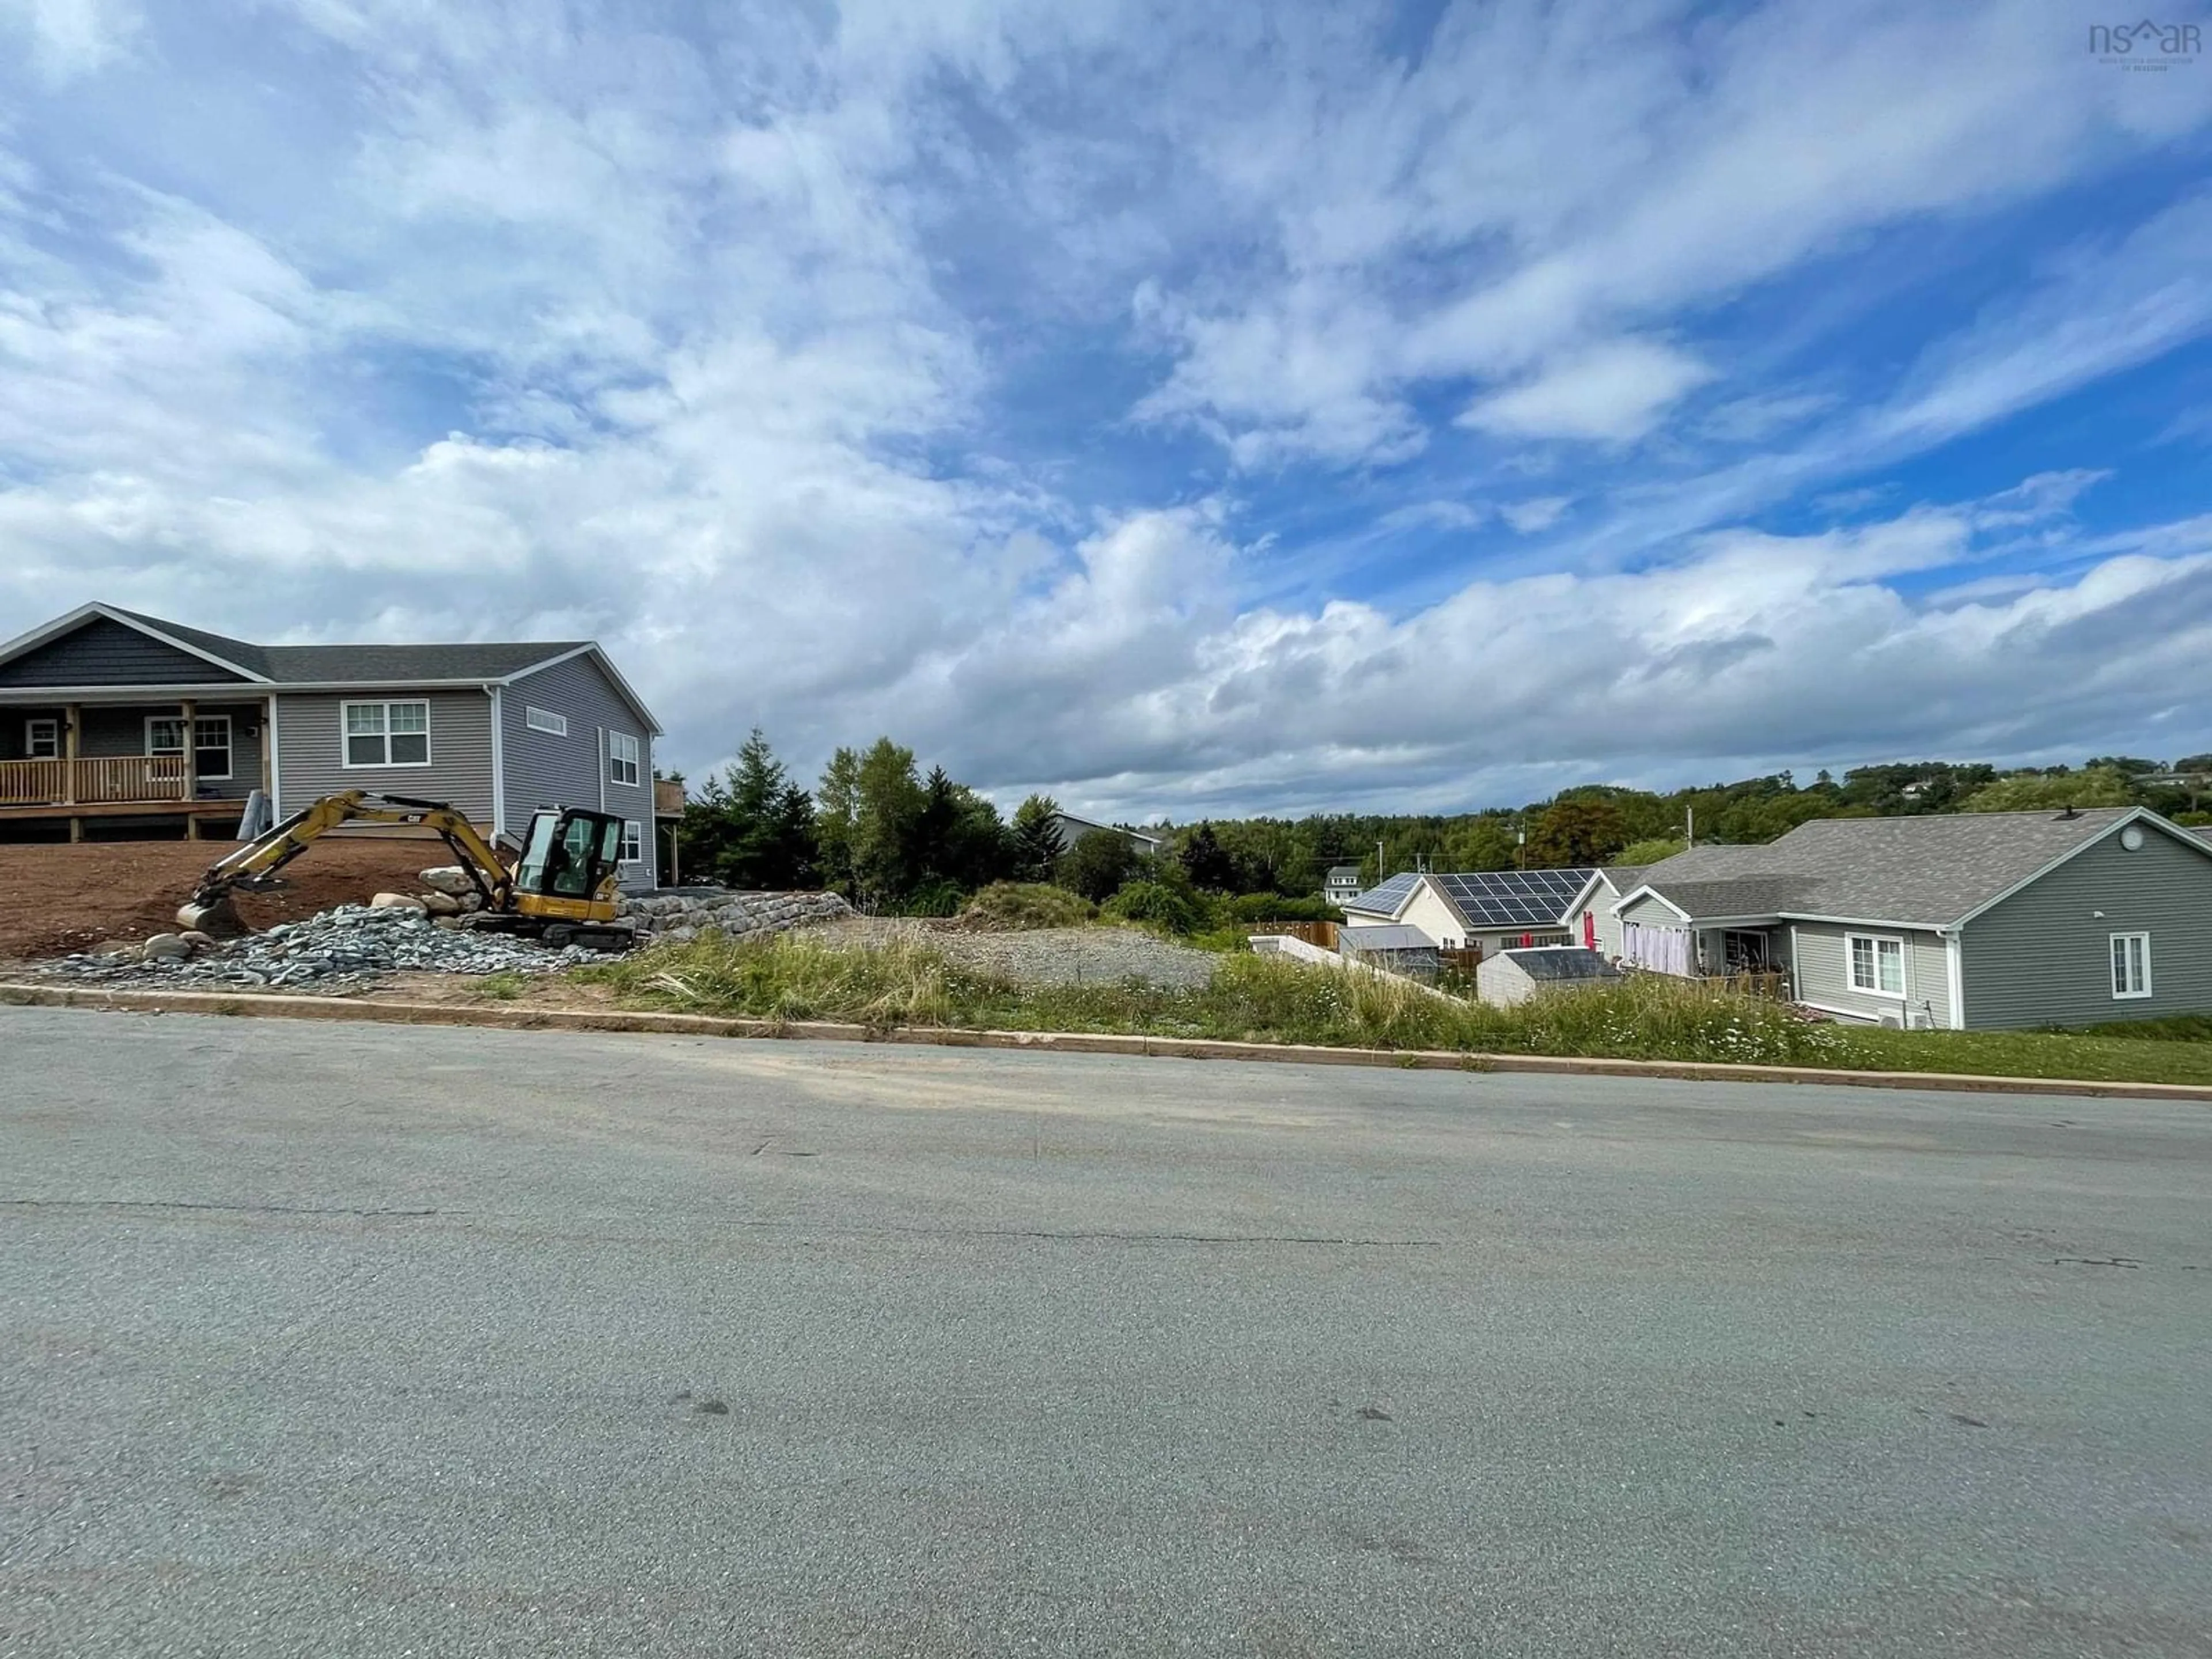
633,842
386,734
42,739
2130,966
1877,964
165,735
622,758
546,721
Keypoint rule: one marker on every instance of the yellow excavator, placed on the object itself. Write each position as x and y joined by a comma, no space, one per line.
562,889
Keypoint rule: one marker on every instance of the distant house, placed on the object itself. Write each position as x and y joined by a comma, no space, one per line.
1513,976
1071,829
116,723
1591,920
1966,921
1396,950
1341,884
1486,910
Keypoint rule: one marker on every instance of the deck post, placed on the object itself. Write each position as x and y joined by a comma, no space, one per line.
191,768
72,714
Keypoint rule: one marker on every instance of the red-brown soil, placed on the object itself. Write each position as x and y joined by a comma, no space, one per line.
57,899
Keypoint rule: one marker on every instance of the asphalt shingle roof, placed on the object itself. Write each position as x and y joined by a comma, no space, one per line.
1930,870
379,663
367,664
243,652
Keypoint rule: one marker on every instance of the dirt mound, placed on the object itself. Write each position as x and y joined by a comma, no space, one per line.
54,900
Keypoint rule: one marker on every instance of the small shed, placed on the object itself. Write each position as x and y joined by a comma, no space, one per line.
1395,949
1512,976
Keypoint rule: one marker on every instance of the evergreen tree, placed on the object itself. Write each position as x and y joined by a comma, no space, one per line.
1037,847
1204,861
837,820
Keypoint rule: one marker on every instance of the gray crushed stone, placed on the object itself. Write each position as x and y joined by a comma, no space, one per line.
1048,955
349,948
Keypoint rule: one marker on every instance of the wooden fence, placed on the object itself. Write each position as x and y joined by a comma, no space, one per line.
1322,934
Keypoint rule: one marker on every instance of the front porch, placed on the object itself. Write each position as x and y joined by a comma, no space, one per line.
1749,958
182,762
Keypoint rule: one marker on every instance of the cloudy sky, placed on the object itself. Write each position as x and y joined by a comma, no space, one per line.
1184,408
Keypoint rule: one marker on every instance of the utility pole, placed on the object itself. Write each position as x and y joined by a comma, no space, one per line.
1689,826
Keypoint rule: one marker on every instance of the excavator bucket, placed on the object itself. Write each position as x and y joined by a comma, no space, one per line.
218,918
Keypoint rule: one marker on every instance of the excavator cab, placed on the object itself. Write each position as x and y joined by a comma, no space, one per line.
565,879
568,855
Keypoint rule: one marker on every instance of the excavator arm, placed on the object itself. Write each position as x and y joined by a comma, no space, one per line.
254,865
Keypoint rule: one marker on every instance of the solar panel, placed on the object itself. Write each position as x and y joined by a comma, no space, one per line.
1512,898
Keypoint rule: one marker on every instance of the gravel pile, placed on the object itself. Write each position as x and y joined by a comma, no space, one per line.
1053,956
345,949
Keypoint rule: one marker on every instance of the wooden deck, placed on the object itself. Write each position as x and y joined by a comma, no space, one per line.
127,780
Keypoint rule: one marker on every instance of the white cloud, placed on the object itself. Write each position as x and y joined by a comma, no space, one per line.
1615,391
797,359
1554,175
1535,513
70,39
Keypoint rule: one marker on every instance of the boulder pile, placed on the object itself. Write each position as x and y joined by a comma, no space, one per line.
682,913
345,949
350,947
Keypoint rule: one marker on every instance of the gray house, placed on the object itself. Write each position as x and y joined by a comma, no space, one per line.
1969,922
1070,828
116,723
1591,919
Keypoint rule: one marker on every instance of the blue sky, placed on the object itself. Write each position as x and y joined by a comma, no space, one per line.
1273,408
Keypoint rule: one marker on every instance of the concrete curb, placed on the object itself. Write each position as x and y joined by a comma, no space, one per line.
342,1009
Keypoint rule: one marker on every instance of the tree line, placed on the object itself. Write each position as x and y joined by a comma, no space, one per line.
896,841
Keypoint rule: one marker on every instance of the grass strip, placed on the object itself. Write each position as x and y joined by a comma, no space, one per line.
904,981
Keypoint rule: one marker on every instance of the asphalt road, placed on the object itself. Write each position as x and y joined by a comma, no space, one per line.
370,1341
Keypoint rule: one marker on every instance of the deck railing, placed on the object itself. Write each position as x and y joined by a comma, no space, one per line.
1770,982
107,780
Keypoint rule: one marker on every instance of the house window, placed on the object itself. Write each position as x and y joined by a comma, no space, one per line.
42,739
622,758
1877,964
633,842
2131,965
544,719
386,733
165,735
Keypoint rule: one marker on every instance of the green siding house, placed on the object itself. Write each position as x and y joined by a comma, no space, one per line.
1971,922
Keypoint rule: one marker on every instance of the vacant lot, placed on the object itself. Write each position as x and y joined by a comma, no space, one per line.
54,900
1042,956
367,1341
